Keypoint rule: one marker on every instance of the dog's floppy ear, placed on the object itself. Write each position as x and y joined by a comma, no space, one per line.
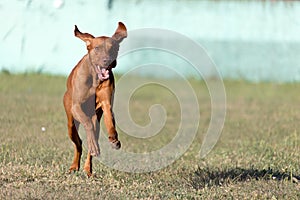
86,37
120,33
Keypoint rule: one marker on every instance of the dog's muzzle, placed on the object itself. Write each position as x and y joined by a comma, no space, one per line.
103,73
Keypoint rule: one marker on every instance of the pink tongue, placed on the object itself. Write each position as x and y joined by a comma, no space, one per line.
103,75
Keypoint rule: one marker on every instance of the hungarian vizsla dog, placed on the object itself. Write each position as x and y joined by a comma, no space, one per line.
90,88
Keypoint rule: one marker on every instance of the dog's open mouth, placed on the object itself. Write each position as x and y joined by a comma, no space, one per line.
102,72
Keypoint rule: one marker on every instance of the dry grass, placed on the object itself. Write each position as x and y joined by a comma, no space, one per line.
257,156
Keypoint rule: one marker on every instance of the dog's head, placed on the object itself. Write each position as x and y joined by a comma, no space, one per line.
103,51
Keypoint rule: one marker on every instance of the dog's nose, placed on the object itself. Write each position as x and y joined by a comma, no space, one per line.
106,61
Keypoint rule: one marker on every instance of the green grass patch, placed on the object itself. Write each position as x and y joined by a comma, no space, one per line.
256,157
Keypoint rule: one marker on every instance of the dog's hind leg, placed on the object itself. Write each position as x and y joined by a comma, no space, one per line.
73,134
73,126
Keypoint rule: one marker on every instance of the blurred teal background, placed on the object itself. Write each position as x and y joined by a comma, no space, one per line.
251,40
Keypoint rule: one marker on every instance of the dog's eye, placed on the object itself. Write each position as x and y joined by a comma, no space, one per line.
97,48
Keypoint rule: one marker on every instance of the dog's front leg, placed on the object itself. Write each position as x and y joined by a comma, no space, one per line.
92,142
110,125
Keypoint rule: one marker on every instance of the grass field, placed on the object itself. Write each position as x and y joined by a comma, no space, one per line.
256,157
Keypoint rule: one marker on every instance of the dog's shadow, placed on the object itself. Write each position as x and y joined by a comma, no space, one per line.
206,177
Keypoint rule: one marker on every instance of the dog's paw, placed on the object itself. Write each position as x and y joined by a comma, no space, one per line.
94,149
73,168
88,171
116,144
93,146
95,152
